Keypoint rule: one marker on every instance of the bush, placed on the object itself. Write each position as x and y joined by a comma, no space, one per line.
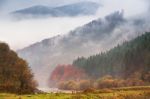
102,83
85,84
108,82
89,90
133,82
146,77
69,85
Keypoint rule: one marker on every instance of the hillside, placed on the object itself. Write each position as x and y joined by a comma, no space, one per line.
123,61
89,39
81,8
82,41
94,37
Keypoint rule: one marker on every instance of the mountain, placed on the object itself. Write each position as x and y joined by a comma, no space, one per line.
94,37
81,8
126,64
121,61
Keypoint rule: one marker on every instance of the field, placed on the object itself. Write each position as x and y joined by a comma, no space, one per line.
117,93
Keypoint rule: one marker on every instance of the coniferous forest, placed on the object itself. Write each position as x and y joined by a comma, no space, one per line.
122,61
127,64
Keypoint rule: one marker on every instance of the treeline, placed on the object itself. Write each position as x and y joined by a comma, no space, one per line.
123,61
15,75
101,83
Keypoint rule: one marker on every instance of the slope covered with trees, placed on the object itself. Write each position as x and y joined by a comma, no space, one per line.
130,58
15,75
82,41
66,72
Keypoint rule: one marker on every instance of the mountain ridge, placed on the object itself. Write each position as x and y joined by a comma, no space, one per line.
122,60
76,9
91,38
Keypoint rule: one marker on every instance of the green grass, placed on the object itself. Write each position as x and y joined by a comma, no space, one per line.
116,93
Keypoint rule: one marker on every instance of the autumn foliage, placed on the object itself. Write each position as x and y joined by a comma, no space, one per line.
66,73
125,65
15,75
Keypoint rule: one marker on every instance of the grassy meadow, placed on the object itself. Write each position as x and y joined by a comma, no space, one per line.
116,93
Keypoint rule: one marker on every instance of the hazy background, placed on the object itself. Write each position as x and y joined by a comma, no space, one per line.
20,33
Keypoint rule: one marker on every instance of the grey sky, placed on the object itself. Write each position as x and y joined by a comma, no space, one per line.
22,33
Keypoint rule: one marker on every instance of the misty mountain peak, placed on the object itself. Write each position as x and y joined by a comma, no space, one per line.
38,9
76,9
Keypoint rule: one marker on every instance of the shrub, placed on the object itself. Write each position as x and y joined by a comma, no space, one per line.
107,82
69,85
146,77
89,90
85,84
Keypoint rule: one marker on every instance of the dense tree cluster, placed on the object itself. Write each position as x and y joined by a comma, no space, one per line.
66,73
121,61
101,83
15,75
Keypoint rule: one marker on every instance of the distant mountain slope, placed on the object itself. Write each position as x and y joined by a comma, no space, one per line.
121,61
81,8
92,38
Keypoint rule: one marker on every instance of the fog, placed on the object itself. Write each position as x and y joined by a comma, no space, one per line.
21,33
130,7
11,5
115,27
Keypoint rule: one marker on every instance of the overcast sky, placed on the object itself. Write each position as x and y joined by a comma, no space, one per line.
22,33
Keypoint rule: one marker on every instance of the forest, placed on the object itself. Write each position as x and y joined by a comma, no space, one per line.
15,74
122,61
124,65
122,72
74,49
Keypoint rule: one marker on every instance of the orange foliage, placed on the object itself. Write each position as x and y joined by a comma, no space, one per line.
66,73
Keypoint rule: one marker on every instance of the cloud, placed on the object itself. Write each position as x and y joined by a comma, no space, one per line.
2,2
130,7
108,32
95,37
30,31
13,5
95,31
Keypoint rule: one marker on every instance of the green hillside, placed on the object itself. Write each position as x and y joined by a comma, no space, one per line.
122,61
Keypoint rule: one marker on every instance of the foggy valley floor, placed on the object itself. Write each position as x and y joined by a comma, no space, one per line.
142,92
